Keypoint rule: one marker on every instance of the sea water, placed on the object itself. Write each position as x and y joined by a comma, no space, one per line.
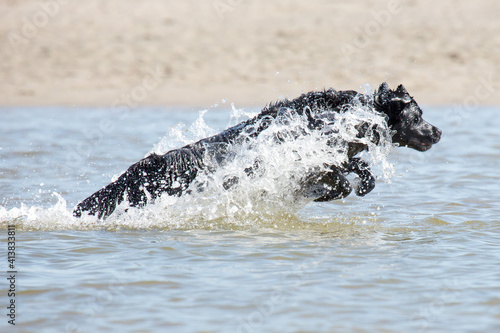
419,253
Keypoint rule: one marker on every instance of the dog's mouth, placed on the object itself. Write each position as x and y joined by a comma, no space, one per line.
420,146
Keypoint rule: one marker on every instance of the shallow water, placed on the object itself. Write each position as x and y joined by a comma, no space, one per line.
418,254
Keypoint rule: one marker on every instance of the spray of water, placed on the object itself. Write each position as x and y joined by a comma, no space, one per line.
258,183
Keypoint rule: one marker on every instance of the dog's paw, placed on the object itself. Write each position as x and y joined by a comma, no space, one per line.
333,194
363,186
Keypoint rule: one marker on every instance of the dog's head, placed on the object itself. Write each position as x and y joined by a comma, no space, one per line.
404,116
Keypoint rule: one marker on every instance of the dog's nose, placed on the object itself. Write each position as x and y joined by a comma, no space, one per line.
437,134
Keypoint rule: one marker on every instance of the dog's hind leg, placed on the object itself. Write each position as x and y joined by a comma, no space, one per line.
135,185
144,181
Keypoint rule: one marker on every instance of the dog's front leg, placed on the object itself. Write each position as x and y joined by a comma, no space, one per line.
326,186
362,169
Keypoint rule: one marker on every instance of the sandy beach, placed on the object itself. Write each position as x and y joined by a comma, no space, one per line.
198,53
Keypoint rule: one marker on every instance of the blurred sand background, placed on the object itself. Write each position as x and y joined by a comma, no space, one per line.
248,52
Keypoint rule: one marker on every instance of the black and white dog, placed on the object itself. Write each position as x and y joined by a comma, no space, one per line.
173,172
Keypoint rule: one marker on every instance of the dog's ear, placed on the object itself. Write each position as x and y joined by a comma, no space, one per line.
383,89
382,96
401,89
401,95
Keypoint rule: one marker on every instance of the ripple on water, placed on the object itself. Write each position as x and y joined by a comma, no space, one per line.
418,254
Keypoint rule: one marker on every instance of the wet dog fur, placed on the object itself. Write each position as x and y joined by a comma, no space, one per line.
173,172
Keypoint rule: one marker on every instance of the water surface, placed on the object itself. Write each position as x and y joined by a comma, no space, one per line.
420,253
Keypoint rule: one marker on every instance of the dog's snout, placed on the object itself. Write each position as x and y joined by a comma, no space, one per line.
437,134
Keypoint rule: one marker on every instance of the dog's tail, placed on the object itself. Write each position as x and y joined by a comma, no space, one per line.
143,182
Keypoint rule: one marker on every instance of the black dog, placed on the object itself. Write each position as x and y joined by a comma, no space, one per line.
173,172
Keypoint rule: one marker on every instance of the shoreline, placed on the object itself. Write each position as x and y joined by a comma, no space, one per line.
218,96
188,53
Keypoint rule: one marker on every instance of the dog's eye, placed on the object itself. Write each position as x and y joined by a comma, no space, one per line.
416,119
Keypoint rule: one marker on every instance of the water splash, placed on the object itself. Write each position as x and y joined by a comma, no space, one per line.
264,173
